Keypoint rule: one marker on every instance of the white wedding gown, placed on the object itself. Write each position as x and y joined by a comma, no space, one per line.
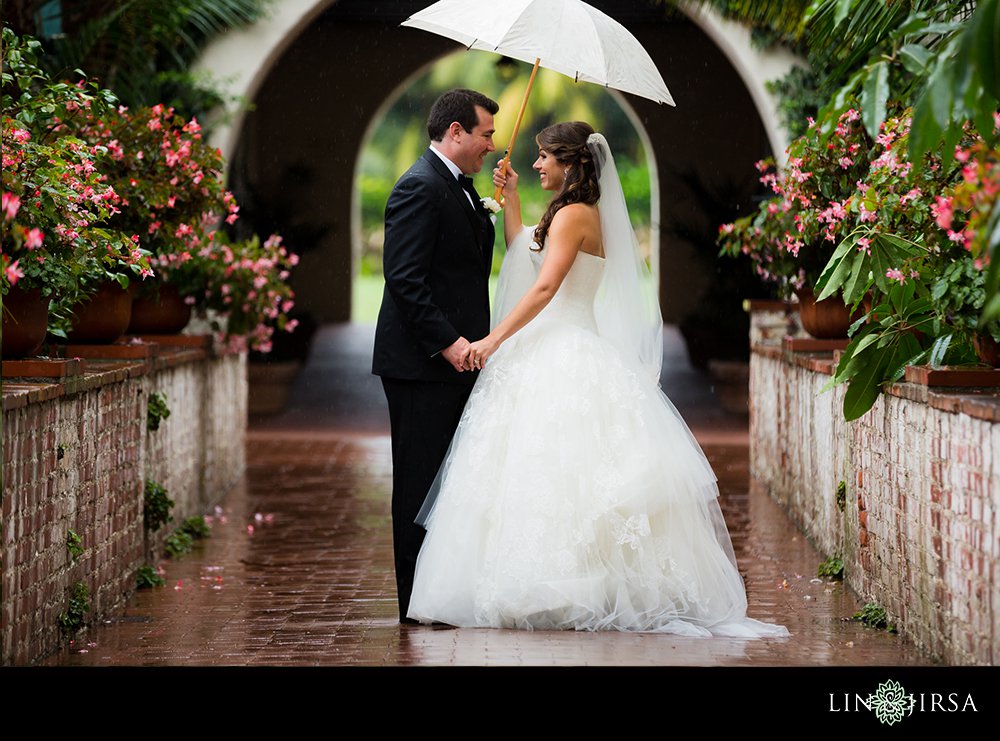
574,496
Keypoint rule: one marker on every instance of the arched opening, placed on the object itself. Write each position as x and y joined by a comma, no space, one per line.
318,83
396,136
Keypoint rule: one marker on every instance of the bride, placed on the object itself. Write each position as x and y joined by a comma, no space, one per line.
573,495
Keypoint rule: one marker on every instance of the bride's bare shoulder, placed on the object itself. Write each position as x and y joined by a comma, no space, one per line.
577,216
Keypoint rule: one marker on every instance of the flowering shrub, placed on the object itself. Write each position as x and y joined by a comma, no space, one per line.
791,238
908,242
57,205
92,191
245,285
170,181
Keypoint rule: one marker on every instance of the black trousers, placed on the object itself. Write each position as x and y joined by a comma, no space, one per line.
424,416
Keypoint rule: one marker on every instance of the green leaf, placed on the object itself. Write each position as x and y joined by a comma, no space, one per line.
939,349
924,130
990,312
915,58
851,288
942,95
906,354
985,26
880,262
839,275
843,8
865,387
874,96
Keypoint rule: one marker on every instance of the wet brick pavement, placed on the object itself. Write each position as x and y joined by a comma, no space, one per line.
298,568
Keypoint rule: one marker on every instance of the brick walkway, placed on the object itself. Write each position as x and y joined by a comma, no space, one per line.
298,570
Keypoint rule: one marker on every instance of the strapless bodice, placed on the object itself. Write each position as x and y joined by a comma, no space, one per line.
574,301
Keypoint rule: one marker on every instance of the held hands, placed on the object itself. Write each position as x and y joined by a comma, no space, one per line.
457,354
464,355
480,351
507,182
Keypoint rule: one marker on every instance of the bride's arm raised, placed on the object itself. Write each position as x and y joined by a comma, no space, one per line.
512,225
565,237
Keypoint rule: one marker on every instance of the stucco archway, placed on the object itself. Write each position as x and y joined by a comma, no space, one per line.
318,72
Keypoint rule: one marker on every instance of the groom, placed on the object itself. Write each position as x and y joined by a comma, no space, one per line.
437,257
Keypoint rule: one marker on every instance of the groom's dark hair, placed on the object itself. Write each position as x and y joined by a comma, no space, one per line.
457,105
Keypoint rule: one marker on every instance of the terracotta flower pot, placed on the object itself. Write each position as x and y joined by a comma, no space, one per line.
25,319
104,318
987,349
164,312
827,320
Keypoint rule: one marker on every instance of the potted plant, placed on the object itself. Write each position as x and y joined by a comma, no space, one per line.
792,236
56,243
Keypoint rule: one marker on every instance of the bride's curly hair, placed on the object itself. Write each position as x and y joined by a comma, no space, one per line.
567,142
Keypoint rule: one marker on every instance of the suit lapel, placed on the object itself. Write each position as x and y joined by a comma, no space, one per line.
472,213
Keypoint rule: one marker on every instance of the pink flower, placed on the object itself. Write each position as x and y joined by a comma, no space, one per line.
21,135
192,126
867,215
863,243
12,272
291,325
895,274
913,195
942,210
231,219
33,239
154,124
845,162
962,155
11,204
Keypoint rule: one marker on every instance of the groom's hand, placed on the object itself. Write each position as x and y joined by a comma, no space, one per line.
457,354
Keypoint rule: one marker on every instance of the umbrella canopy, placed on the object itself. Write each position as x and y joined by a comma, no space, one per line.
566,36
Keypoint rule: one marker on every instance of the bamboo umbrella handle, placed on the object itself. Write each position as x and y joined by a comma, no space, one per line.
498,192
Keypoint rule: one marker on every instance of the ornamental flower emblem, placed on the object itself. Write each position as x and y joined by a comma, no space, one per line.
890,702
490,205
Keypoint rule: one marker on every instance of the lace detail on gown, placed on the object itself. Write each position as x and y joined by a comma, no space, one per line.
574,496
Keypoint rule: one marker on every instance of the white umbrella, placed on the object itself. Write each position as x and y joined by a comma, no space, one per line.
567,36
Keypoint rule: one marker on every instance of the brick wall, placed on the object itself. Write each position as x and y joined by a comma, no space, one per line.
75,457
918,531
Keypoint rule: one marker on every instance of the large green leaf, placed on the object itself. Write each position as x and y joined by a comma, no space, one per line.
881,251
939,349
906,351
841,270
986,56
915,58
865,387
942,92
857,283
874,96
924,130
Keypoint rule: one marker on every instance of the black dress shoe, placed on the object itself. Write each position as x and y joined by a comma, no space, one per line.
408,621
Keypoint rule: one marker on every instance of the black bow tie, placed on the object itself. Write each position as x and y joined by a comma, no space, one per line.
466,183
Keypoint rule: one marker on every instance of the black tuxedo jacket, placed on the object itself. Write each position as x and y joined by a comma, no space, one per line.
437,257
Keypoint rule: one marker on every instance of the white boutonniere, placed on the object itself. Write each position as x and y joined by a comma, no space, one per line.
490,205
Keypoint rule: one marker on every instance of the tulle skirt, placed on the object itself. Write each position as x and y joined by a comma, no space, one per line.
574,497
